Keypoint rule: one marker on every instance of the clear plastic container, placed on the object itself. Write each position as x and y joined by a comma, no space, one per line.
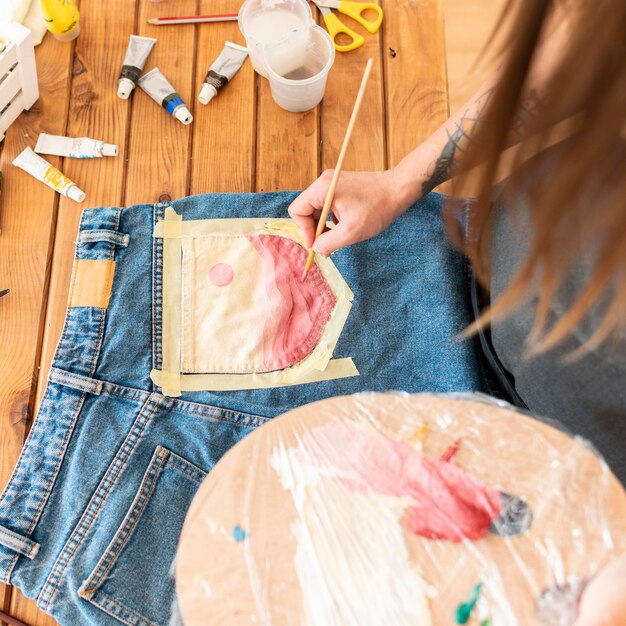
283,23
301,88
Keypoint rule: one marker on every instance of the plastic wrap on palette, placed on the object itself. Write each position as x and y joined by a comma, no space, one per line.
391,509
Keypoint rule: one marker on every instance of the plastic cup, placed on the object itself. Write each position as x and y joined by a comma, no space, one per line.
302,88
266,23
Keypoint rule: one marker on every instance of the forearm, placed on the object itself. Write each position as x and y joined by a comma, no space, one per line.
439,158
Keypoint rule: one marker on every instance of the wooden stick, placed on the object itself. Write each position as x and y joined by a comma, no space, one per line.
344,148
194,19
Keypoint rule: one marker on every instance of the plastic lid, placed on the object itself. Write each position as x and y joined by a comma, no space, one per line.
207,93
68,36
124,88
183,115
109,149
76,194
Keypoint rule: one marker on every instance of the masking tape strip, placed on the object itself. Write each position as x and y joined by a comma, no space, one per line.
336,368
317,366
205,228
171,298
91,284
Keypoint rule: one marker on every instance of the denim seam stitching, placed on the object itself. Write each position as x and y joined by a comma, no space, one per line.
50,485
180,464
79,406
122,609
199,412
74,381
11,565
153,292
195,477
9,486
157,284
18,543
96,351
114,237
190,408
46,594
159,295
144,495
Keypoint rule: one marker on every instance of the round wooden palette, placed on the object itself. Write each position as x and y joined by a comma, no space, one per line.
236,556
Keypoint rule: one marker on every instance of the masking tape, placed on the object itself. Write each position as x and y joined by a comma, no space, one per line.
336,368
317,366
170,382
91,284
168,229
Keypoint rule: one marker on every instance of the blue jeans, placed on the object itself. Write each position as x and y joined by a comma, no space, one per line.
90,518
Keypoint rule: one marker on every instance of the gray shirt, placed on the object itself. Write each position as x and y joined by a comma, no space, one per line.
587,396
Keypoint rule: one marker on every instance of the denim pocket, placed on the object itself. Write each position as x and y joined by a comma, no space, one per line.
129,582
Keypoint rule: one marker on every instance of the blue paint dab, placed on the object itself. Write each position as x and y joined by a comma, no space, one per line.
239,534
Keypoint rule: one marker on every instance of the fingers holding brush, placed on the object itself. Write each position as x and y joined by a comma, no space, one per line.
364,204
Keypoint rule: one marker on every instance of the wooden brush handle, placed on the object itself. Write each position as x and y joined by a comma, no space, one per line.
342,154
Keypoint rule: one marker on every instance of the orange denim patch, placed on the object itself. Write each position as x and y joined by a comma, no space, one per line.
92,280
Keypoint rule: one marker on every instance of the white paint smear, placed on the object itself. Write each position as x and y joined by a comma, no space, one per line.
352,562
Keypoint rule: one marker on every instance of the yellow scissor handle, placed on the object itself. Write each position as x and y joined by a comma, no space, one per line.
335,27
355,10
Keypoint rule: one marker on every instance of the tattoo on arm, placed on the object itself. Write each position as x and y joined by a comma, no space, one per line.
464,132
458,142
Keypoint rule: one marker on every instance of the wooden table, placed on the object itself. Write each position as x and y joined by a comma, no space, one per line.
240,142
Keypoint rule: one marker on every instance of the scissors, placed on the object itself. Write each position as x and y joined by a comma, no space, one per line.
354,10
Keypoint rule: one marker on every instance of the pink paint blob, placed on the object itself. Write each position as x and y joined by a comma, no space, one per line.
298,310
445,501
221,274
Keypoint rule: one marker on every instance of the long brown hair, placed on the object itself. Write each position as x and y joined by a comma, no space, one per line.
588,81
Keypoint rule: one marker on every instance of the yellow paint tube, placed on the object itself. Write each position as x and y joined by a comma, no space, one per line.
61,18
46,172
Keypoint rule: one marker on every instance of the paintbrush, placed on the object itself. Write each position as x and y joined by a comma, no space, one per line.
335,179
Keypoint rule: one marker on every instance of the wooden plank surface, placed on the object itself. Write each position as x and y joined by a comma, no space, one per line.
416,92
367,145
159,147
241,141
223,156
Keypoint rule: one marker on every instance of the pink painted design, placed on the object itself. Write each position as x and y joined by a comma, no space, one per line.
445,502
221,274
298,310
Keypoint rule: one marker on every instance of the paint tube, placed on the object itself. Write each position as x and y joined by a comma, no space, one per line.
226,65
137,54
48,174
162,92
78,148
61,18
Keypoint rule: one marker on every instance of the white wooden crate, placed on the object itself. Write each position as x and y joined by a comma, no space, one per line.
18,74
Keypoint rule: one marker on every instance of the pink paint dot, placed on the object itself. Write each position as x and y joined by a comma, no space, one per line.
221,274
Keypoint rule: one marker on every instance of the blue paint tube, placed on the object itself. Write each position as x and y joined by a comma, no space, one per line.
161,91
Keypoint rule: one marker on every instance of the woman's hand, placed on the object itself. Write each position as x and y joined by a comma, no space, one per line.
603,602
365,203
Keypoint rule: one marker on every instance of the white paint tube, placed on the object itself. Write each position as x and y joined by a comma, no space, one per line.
76,148
137,53
46,172
159,89
226,65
